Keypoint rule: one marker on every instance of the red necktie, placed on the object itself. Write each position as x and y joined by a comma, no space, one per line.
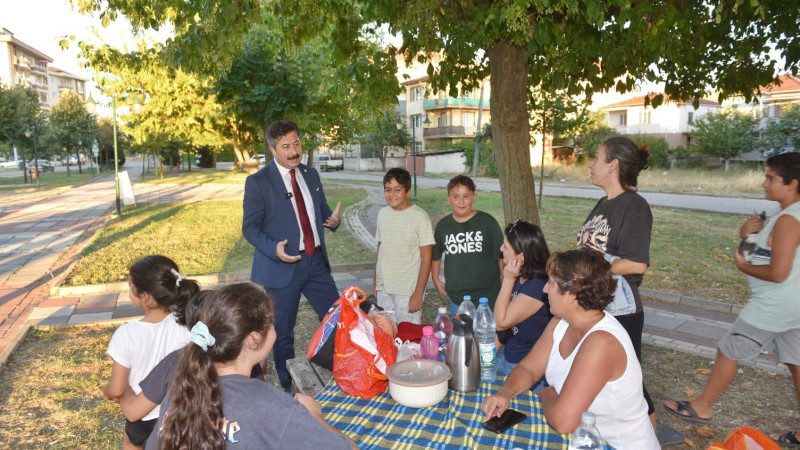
305,224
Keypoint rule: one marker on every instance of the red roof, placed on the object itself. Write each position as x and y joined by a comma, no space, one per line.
787,83
639,101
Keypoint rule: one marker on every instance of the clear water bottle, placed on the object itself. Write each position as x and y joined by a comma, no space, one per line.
466,307
586,437
429,344
484,330
442,329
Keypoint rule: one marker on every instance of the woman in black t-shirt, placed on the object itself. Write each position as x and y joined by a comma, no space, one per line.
620,225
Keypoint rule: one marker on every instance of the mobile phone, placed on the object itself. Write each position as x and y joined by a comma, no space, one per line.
508,419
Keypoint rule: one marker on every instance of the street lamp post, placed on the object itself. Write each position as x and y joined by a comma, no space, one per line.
136,108
425,124
28,131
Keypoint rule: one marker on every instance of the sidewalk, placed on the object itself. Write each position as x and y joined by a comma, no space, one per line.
671,321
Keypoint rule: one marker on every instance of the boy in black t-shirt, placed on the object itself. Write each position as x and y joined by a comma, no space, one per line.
471,240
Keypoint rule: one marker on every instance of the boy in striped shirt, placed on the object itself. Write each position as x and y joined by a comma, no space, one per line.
405,247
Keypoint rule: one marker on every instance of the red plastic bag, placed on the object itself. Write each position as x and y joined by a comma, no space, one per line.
745,438
320,348
363,352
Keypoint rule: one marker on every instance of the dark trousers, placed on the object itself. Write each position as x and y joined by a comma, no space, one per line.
634,324
312,278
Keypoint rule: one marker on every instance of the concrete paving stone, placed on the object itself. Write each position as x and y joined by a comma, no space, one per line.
702,331
124,298
126,311
51,321
23,279
94,308
660,321
52,311
110,298
736,309
363,273
344,276
59,301
88,318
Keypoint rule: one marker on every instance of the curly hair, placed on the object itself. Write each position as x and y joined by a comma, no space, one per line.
231,314
528,239
585,274
632,159
157,275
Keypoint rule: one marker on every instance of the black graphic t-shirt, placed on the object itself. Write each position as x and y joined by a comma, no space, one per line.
472,250
621,227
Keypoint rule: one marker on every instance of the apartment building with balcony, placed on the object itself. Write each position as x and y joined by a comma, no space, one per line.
21,64
61,81
673,120
451,119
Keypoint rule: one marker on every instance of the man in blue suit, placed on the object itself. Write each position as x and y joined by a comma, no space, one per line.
285,211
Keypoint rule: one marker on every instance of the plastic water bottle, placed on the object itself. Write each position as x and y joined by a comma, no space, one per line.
442,329
429,344
466,307
484,330
586,437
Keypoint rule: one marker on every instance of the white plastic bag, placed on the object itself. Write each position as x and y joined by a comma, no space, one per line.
407,350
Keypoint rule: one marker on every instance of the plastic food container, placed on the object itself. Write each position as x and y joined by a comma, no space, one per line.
418,383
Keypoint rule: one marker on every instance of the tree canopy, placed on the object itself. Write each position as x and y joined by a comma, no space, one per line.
726,134
782,133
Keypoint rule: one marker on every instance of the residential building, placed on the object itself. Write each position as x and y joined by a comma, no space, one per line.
451,119
21,64
673,120
60,81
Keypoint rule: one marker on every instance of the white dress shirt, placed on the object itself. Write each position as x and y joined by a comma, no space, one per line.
287,182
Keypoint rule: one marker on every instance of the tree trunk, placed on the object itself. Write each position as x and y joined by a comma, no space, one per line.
78,158
508,65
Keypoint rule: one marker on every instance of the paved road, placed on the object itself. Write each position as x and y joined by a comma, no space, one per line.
34,233
687,201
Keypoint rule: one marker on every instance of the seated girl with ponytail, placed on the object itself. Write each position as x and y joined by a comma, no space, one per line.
157,287
213,402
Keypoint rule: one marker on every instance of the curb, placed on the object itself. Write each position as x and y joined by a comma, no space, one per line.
693,302
204,280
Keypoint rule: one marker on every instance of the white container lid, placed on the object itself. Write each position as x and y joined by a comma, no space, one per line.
418,373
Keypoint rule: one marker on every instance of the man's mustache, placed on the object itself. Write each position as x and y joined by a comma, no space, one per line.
295,156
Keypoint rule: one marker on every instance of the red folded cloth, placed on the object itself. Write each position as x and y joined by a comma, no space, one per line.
408,331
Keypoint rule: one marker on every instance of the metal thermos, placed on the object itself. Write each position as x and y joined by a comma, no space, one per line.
462,356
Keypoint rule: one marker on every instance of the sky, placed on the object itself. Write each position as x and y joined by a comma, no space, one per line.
42,23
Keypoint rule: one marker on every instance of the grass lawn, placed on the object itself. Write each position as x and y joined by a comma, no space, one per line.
737,181
50,390
198,176
202,238
47,180
691,252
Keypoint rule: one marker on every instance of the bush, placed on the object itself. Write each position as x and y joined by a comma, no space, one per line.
660,153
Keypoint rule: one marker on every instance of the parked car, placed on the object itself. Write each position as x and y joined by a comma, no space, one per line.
262,159
43,165
10,164
325,163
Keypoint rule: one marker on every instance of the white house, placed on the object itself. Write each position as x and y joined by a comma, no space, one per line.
672,120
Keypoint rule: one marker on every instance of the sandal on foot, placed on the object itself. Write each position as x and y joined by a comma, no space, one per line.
685,411
788,439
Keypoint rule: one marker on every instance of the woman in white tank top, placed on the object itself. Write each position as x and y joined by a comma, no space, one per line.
586,357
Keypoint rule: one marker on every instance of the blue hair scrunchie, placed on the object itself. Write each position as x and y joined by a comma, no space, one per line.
201,336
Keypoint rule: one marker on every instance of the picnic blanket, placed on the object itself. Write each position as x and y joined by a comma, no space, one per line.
453,423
